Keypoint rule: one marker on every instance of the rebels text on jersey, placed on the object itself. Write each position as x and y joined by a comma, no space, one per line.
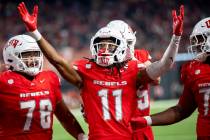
196,79
27,106
109,99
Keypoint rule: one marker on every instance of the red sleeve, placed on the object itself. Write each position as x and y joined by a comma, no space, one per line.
142,55
185,72
55,80
80,66
187,100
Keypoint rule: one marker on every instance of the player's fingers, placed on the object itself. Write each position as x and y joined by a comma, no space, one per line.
174,15
35,12
182,11
24,7
21,13
20,4
19,7
36,8
180,19
20,10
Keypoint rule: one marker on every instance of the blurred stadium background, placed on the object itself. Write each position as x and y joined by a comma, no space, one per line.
69,25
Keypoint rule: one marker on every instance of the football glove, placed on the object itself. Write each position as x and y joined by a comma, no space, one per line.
140,122
178,21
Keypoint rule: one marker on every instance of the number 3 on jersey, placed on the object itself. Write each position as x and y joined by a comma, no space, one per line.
45,107
117,94
143,102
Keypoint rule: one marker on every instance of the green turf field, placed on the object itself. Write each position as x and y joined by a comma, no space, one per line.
184,130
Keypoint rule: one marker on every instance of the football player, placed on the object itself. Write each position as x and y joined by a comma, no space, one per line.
108,82
29,96
143,95
127,33
195,76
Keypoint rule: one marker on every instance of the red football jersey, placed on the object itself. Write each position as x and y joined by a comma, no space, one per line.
142,55
196,79
109,99
143,100
27,107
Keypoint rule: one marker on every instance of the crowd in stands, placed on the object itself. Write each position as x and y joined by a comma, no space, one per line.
71,24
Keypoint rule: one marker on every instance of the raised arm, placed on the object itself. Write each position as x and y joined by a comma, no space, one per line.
30,21
158,68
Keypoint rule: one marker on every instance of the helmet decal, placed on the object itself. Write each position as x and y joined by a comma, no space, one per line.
200,40
13,42
208,23
23,54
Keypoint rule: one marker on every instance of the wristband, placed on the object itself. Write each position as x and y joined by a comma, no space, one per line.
148,119
36,35
176,39
82,136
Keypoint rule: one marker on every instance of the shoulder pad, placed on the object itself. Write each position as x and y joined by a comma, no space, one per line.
142,55
187,69
82,65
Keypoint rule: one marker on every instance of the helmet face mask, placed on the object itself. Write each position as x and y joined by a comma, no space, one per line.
105,48
105,52
108,47
200,40
24,56
31,59
198,44
130,42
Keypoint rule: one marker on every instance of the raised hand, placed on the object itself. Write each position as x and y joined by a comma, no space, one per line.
178,21
30,20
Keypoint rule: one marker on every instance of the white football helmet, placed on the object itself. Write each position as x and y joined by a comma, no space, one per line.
200,39
13,55
108,47
127,33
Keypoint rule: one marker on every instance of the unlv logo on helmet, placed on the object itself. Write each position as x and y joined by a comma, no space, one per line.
208,23
13,42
